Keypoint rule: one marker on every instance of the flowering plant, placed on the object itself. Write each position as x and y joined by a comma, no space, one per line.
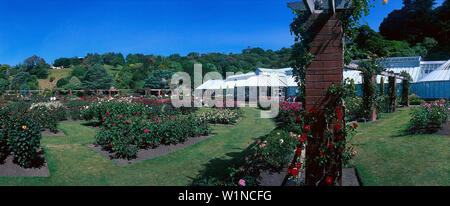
289,112
428,118
20,134
220,116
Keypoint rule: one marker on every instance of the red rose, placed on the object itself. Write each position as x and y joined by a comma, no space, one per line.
355,125
337,127
304,135
339,137
294,172
329,180
321,154
297,119
298,150
308,127
330,145
289,171
298,165
339,114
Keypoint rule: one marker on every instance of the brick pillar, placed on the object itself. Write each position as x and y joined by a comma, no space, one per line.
326,69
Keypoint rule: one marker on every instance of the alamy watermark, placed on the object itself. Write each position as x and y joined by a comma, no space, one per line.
237,90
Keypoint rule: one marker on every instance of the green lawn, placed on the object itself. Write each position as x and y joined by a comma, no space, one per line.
388,157
71,162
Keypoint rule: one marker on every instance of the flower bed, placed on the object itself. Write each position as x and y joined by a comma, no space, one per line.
429,118
220,116
20,134
269,153
128,127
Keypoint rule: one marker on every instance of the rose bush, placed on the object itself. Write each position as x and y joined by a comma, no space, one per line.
126,133
428,118
20,134
220,116
289,111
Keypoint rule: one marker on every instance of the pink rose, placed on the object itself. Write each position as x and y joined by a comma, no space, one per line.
242,182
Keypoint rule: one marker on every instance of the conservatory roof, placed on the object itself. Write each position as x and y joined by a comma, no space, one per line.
415,73
398,62
261,77
440,74
212,84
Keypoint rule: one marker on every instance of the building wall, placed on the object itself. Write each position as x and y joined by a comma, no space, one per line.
431,90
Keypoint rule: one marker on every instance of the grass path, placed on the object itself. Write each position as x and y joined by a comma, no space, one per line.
386,156
71,162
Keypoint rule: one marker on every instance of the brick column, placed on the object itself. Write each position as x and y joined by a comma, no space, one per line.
325,70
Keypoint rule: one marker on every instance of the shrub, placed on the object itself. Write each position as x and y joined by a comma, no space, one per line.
273,150
3,141
126,133
74,108
220,116
353,108
19,134
428,118
415,100
289,111
45,117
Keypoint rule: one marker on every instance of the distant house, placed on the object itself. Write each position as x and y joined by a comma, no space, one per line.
53,67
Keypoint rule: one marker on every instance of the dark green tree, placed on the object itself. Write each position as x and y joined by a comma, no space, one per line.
35,65
160,79
96,77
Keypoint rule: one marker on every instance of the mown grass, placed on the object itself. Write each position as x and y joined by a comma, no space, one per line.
71,162
387,156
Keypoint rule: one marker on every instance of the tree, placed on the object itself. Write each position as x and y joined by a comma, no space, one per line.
411,23
159,80
62,62
4,68
74,83
92,59
20,79
78,71
25,90
4,85
96,77
62,82
113,59
36,66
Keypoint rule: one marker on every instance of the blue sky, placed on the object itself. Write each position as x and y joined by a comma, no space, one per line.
68,28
